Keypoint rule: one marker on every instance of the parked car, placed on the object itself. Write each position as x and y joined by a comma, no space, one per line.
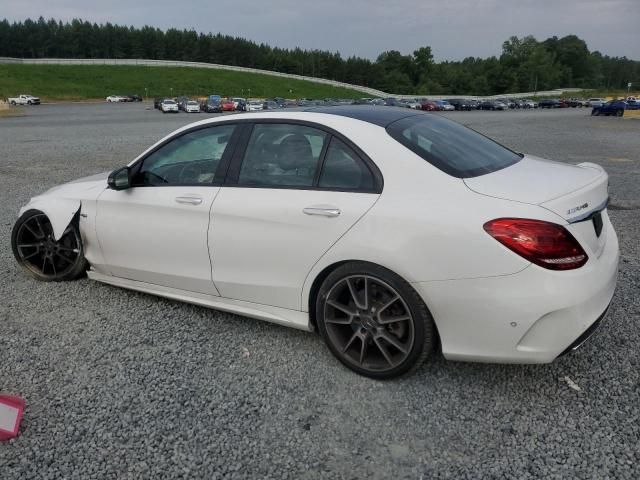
550,103
212,105
474,104
192,107
169,106
507,103
362,101
270,105
228,105
241,104
575,102
132,98
377,101
614,107
429,106
157,102
392,102
444,105
527,103
596,102
520,267
492,105
116,99
24,99
255,105
459,103
413,104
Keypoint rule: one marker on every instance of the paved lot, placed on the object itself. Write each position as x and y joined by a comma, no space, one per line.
125,385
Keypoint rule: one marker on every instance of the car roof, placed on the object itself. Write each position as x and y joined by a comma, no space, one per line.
381,116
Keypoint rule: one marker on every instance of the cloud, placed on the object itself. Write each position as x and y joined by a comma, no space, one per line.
454,29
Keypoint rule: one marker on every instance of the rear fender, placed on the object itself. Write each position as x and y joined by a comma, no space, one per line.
59,211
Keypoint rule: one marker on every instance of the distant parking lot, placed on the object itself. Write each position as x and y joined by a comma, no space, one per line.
121,384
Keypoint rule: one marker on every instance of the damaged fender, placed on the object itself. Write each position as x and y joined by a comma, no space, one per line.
59,211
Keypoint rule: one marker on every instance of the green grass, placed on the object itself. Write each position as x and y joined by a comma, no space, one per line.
80,82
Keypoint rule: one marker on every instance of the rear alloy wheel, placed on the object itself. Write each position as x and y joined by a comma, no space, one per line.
373,321
42,256
619,113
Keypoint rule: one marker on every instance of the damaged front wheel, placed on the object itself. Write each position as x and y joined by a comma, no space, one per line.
42,255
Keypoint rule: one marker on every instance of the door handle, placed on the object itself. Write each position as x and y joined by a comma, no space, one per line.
322,210
189,200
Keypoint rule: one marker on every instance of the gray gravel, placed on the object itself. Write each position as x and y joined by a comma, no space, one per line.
125,385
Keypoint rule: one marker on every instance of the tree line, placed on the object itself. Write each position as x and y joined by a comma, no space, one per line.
525,64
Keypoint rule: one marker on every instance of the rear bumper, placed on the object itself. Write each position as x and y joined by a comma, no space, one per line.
532,316
586,335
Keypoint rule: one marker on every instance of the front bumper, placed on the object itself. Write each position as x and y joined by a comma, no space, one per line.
532,316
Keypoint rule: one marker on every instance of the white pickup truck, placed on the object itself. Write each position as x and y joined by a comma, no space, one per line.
24,100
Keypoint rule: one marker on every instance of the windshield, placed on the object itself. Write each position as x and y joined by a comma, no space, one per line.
451,147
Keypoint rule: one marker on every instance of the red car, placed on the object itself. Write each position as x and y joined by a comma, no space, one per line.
430,106
228,105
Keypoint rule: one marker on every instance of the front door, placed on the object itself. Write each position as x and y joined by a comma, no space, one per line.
156,231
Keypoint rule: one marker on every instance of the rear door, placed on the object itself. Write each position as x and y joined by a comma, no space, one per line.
292,191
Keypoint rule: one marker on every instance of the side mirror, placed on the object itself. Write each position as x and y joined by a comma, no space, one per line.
119,179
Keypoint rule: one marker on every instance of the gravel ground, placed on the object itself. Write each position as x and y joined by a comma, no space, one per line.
125,385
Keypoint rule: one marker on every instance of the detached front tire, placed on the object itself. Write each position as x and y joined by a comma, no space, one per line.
373,321
41,255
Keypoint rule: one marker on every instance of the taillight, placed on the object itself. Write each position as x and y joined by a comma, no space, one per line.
546,244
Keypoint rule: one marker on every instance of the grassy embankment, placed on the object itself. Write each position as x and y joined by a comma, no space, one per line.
85,82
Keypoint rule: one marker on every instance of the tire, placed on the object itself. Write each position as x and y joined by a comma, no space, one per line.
42,257
349,313
13,102
619,113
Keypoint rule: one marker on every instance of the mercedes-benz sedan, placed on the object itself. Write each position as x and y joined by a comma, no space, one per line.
389,231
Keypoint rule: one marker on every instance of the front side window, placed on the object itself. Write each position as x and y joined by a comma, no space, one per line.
282,155
190,159
451,147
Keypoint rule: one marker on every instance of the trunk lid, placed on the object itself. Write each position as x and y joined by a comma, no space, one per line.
577,193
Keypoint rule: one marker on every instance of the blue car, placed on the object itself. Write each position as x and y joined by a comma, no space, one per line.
615,107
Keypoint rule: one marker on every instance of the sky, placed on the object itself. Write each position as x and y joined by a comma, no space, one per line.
453,28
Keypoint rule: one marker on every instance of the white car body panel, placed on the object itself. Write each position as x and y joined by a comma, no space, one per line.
263,245
281,316
426,226
169,248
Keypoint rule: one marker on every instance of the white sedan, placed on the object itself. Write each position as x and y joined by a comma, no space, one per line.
387,230
115,98
169,106
192,107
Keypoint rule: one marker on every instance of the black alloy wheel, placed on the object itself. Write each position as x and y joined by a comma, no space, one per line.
373,321
43,256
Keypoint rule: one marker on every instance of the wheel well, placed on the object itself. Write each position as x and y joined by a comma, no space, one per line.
315,287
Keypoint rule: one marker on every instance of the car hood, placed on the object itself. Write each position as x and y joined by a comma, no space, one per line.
82,187
571,191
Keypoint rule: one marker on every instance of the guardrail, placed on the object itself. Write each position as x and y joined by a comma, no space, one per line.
216,66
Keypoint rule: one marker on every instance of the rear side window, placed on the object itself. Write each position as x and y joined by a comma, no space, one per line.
343,169
451,147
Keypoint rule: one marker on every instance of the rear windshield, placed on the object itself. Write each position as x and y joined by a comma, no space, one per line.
451,147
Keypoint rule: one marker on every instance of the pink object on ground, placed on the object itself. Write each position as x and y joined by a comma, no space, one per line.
11,410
